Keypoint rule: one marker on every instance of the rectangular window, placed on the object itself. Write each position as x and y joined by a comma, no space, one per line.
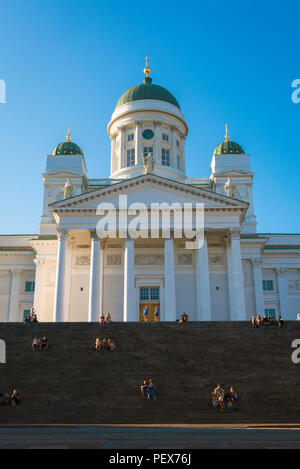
144,294
268,312
177,143
29,287
147,151
130,137
165,137
131,157
178,161
268,285
165,157
154,293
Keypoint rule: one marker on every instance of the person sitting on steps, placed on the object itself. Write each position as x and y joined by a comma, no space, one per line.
36,343
110,345
218,397
15,398
98,345
230,398
44,343
144,388
102,319
151,390
108,319
258,320
271,320
184,317
265,320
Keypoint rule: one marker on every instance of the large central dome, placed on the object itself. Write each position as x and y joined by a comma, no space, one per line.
147,90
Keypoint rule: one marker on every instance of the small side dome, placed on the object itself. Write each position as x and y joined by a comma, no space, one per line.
67,147
228,147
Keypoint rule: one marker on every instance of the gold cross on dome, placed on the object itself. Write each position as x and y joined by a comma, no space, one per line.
147,70
227,136
69,133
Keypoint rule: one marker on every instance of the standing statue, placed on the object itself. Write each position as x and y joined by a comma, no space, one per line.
148,163
230,189
68,189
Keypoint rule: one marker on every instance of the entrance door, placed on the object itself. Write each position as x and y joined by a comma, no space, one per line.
152,308
149,296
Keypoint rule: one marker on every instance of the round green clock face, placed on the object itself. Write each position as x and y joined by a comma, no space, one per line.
148,134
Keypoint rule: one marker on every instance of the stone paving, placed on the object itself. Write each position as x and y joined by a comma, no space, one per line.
142,437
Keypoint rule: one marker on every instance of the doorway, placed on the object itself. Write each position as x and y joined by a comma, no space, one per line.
150,297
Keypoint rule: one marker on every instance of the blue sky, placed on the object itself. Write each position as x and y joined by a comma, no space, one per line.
69,61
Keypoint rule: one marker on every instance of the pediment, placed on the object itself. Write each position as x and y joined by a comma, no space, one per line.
62,173
233,172
148,189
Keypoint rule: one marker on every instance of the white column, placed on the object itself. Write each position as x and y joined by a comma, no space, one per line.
173,162
13,313
170,290
62,236
129,312
39,286
283,289
157,140
101,290
229,276
123,162
258,287
138,143
203,284
67,280
239,307
94,291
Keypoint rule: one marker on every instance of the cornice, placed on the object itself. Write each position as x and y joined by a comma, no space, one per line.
164,182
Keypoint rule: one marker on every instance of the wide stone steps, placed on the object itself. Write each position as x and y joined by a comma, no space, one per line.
70,383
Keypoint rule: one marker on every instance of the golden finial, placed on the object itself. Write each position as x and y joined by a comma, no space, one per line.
69,134
227,136
147,70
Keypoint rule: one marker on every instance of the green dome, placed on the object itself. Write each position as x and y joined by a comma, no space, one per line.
67,148
228,147
147,90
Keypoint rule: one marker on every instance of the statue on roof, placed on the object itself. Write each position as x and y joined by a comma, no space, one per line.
230,189
68,189
148,163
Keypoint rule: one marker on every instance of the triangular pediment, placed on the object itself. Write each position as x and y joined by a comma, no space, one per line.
62,173
148,189
233,172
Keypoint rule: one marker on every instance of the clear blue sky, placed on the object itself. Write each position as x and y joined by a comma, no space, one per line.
225,61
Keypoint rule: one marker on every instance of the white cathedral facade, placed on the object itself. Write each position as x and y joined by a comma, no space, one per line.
68,274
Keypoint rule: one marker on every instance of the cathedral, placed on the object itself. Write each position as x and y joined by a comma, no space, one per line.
70,274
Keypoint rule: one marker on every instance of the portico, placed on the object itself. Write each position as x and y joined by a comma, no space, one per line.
115,269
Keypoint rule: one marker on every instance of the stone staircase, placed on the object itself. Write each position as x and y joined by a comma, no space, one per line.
71,384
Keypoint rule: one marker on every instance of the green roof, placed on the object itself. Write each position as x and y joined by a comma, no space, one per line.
147,90
228,147
67,148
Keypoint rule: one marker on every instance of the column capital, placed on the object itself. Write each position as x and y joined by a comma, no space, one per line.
157,124
227,241
62,234
16,272
235,233
281,271
39,262
256,261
